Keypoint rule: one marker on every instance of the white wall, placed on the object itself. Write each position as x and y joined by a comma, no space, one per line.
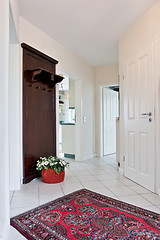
145,30
15,13
4,123
15,105
73,65
15,145
107,75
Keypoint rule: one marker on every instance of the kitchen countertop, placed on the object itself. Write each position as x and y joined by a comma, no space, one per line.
66,123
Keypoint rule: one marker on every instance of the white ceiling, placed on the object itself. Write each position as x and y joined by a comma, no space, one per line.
90,28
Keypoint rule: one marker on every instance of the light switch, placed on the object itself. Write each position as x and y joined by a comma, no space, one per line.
84,119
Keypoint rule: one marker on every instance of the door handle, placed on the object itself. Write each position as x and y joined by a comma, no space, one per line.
147,114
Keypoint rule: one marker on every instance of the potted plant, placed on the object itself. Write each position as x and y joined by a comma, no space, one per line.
52,169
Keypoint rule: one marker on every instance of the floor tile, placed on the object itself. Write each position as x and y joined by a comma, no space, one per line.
105,192
138,189
153,209
98,174
88,178
33,184
122,191
127,182
15,235
81,173
136,200
71,188
71,179
153,198
97,171
11,193
112,183
49,188
94,184
44,198
27,191
24,201
69,173
16,211
104,177
117,176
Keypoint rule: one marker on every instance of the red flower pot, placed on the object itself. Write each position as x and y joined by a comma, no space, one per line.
50,176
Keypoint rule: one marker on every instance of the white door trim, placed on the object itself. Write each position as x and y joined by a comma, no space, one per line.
78,125
110,149
99,119
157,114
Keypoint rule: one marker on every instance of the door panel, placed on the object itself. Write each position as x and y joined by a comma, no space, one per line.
131,92
109,118
143,141
131,146
139,131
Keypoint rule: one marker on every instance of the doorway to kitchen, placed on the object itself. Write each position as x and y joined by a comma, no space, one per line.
110,122
69,118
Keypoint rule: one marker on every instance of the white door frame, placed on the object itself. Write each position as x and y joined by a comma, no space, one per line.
113,92
156,112
100,120
78,107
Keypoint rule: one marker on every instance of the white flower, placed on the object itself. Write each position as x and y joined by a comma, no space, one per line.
49,162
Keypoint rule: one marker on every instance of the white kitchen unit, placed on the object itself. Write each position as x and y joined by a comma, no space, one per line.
68,139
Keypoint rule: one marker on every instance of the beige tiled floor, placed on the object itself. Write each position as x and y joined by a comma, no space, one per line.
99,174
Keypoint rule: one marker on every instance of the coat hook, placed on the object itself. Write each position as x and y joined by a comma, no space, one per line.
30,85
38,87
49,90
44,89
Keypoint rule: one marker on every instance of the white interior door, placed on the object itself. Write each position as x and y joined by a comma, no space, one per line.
110,106
138,124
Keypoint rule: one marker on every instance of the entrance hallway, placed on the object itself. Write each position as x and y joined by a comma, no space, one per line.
99,174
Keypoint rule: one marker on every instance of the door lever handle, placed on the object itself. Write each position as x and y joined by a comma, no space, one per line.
147,114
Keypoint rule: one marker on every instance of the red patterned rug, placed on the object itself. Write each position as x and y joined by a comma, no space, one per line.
88,215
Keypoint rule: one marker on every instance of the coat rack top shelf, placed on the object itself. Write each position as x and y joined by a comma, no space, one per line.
42,75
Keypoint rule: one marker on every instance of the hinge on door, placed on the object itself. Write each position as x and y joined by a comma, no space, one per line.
124,158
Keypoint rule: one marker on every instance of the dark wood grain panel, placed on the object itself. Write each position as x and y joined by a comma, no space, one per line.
39,113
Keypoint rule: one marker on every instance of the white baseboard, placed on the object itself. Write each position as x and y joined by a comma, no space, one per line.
98,155
89,157
121,171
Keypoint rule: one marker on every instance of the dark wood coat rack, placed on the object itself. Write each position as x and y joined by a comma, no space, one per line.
39,109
